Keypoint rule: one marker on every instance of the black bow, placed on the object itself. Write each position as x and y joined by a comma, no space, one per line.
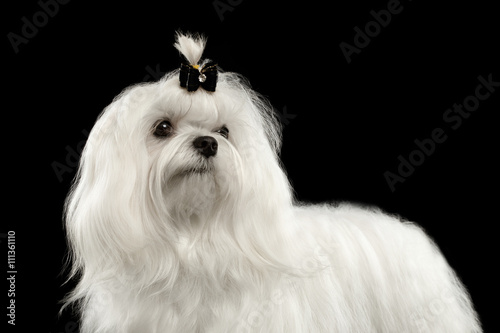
191,78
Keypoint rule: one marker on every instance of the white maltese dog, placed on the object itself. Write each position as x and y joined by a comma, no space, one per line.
181,219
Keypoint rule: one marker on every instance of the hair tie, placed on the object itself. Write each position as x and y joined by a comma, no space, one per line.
191,76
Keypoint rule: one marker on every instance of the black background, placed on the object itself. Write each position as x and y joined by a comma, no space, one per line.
345,124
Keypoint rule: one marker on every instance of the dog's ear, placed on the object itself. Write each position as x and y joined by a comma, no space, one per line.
103,213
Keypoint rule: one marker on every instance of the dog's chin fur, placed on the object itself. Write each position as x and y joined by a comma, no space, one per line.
166,240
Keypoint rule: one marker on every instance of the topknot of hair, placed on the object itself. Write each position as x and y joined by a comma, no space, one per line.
191,46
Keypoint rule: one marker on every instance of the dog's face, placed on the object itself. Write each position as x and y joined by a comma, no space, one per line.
198,145
184,153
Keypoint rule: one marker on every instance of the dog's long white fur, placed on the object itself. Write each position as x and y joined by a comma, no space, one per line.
158,249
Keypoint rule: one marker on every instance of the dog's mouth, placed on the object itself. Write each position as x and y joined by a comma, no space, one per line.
197,171
203,169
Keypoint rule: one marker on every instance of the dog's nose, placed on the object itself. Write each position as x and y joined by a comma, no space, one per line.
206,145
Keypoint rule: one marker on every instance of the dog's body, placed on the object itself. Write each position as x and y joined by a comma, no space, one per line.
182,220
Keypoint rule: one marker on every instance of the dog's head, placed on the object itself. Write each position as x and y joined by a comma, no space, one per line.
162,161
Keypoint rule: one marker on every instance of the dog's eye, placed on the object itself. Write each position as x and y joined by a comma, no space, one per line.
163,128
224,131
